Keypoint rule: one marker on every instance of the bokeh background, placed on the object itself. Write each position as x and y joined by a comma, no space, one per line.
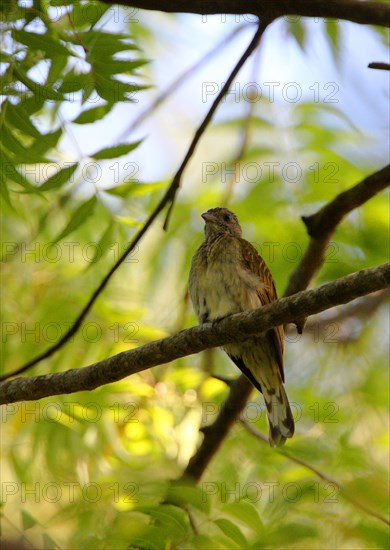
86,156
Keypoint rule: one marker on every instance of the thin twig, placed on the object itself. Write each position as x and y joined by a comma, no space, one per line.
231,408
80,318
329,326
243,144
288,454
179,81
199,132
382,66
168,198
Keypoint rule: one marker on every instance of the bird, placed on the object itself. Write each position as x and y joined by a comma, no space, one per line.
228,276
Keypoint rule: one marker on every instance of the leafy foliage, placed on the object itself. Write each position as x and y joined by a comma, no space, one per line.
103,469
54,59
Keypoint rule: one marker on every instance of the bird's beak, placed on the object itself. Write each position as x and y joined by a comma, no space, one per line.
208,217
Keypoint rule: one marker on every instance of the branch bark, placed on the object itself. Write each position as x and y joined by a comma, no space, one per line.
232,329
238,396
323,224
166,200
326,220
382,66
337,323
366,13
206,121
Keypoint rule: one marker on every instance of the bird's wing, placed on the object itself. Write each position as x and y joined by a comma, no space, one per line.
238,361
267,294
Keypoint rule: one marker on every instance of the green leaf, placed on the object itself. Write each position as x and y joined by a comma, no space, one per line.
59,179
48,542
134,189
150,537
103,245
28,520
80,215
56,70
333,32
116,66
91,115
6,57
298,31
245,512
188,495
113,90
114,152
172,518
18,464
102,44
32,104
20,119
4,188
232,532
46,142
130,222
88,14
37,89
43,42
18,150
374,534
9,171
74,82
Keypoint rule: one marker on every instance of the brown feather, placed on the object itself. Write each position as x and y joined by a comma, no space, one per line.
267,294
228,276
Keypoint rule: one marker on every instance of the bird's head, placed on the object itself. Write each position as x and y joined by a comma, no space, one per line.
219,221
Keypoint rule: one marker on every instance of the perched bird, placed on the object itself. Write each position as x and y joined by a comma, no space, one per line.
228,276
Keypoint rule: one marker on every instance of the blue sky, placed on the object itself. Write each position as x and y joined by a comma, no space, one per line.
281,71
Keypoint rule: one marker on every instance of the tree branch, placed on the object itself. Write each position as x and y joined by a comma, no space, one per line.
382,66
323,224
206,121
335,324
179,81
228,188
167,199
366,13
309,265
88,306
232,329
232,406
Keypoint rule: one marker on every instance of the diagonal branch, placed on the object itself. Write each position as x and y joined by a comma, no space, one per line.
245,133
287,454
323,224
227,416
88,306
231,329
366,13
200,131
307,268
179,81
168,198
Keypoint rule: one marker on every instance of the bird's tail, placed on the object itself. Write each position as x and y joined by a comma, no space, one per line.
279,415
265,376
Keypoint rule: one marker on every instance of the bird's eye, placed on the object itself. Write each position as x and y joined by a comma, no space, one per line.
226,217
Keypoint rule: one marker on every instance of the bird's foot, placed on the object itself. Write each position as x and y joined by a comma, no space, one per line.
218,320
